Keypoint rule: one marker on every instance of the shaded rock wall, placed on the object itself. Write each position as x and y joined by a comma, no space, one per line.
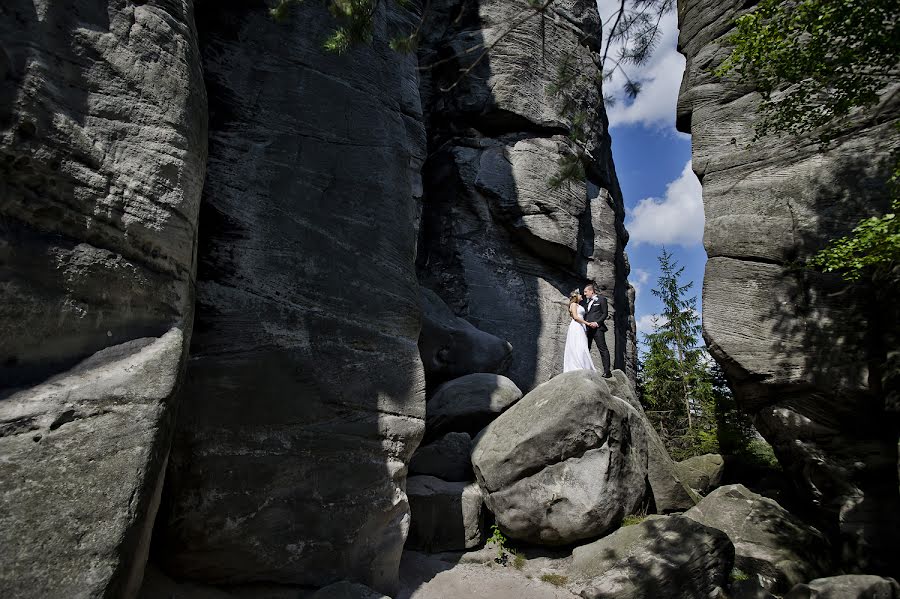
304,397
803,351
496,242
102,153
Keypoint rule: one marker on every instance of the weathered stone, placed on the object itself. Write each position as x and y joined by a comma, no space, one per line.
451,347
804,352
702,472
769,542
446,516
347,590
672,557
848,586
448,458
670,492
469,403
567,462
497,241
102,155
304,397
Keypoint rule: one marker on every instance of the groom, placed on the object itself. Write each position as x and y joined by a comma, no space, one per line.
595,310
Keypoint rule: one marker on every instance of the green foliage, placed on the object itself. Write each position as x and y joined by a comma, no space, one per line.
814,61
555,579
632,519
498,539
683,390
737,575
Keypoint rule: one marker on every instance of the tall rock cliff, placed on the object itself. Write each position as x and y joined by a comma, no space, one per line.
804,351
304,396
497,242
102,153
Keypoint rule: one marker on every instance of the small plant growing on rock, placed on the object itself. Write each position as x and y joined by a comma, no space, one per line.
737,575
499,541
557,580
633,519
518,560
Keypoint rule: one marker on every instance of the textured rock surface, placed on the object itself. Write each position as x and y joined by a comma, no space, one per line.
850,586
567,462
347,590
102,151
671,557
452,347
469,403
702,472
304,397
670,493
801,350
428,577
448,458
446,516
769,542
501,246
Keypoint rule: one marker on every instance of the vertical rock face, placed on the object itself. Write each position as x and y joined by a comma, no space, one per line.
497,242
102,151
803,351
304,396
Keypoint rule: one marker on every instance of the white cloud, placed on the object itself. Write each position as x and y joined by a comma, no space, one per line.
638,279
645,324
660,78
675,219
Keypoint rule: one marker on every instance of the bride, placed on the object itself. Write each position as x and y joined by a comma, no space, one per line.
577,355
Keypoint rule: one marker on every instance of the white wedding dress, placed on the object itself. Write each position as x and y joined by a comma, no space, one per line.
577,355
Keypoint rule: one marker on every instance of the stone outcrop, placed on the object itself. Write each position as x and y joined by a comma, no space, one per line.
804,352
702,472
446,516
102,156
304,398
770,544
670,556
469,403
565,463
501,245
451,346
848,586
448,458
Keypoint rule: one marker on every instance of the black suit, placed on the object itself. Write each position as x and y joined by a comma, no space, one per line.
597,313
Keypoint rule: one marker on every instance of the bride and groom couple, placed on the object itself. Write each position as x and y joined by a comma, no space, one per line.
588,314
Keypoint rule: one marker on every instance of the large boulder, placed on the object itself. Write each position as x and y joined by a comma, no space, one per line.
347,590
452,347
668,556
469,403
498,242
102,156
446,516
848,586
804,352
448,458
770,543
702,472
304,397
567,462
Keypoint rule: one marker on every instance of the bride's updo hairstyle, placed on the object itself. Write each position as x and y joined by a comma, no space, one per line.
573,297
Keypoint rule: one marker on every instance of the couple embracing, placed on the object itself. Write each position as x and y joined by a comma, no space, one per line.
588,314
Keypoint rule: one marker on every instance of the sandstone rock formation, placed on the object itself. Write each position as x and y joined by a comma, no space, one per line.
770,543
848,586
304,397
702,472
451,347
446,516
669,556
102,154
496,241
565,463
448,458
469,403
804,352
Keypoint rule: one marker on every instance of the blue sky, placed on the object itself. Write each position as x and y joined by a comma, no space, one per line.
663,201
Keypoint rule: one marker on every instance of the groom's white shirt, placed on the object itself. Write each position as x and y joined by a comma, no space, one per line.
590,303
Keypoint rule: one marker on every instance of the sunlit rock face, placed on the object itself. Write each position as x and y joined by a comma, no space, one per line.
498,243
102,152
304,396
804,352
